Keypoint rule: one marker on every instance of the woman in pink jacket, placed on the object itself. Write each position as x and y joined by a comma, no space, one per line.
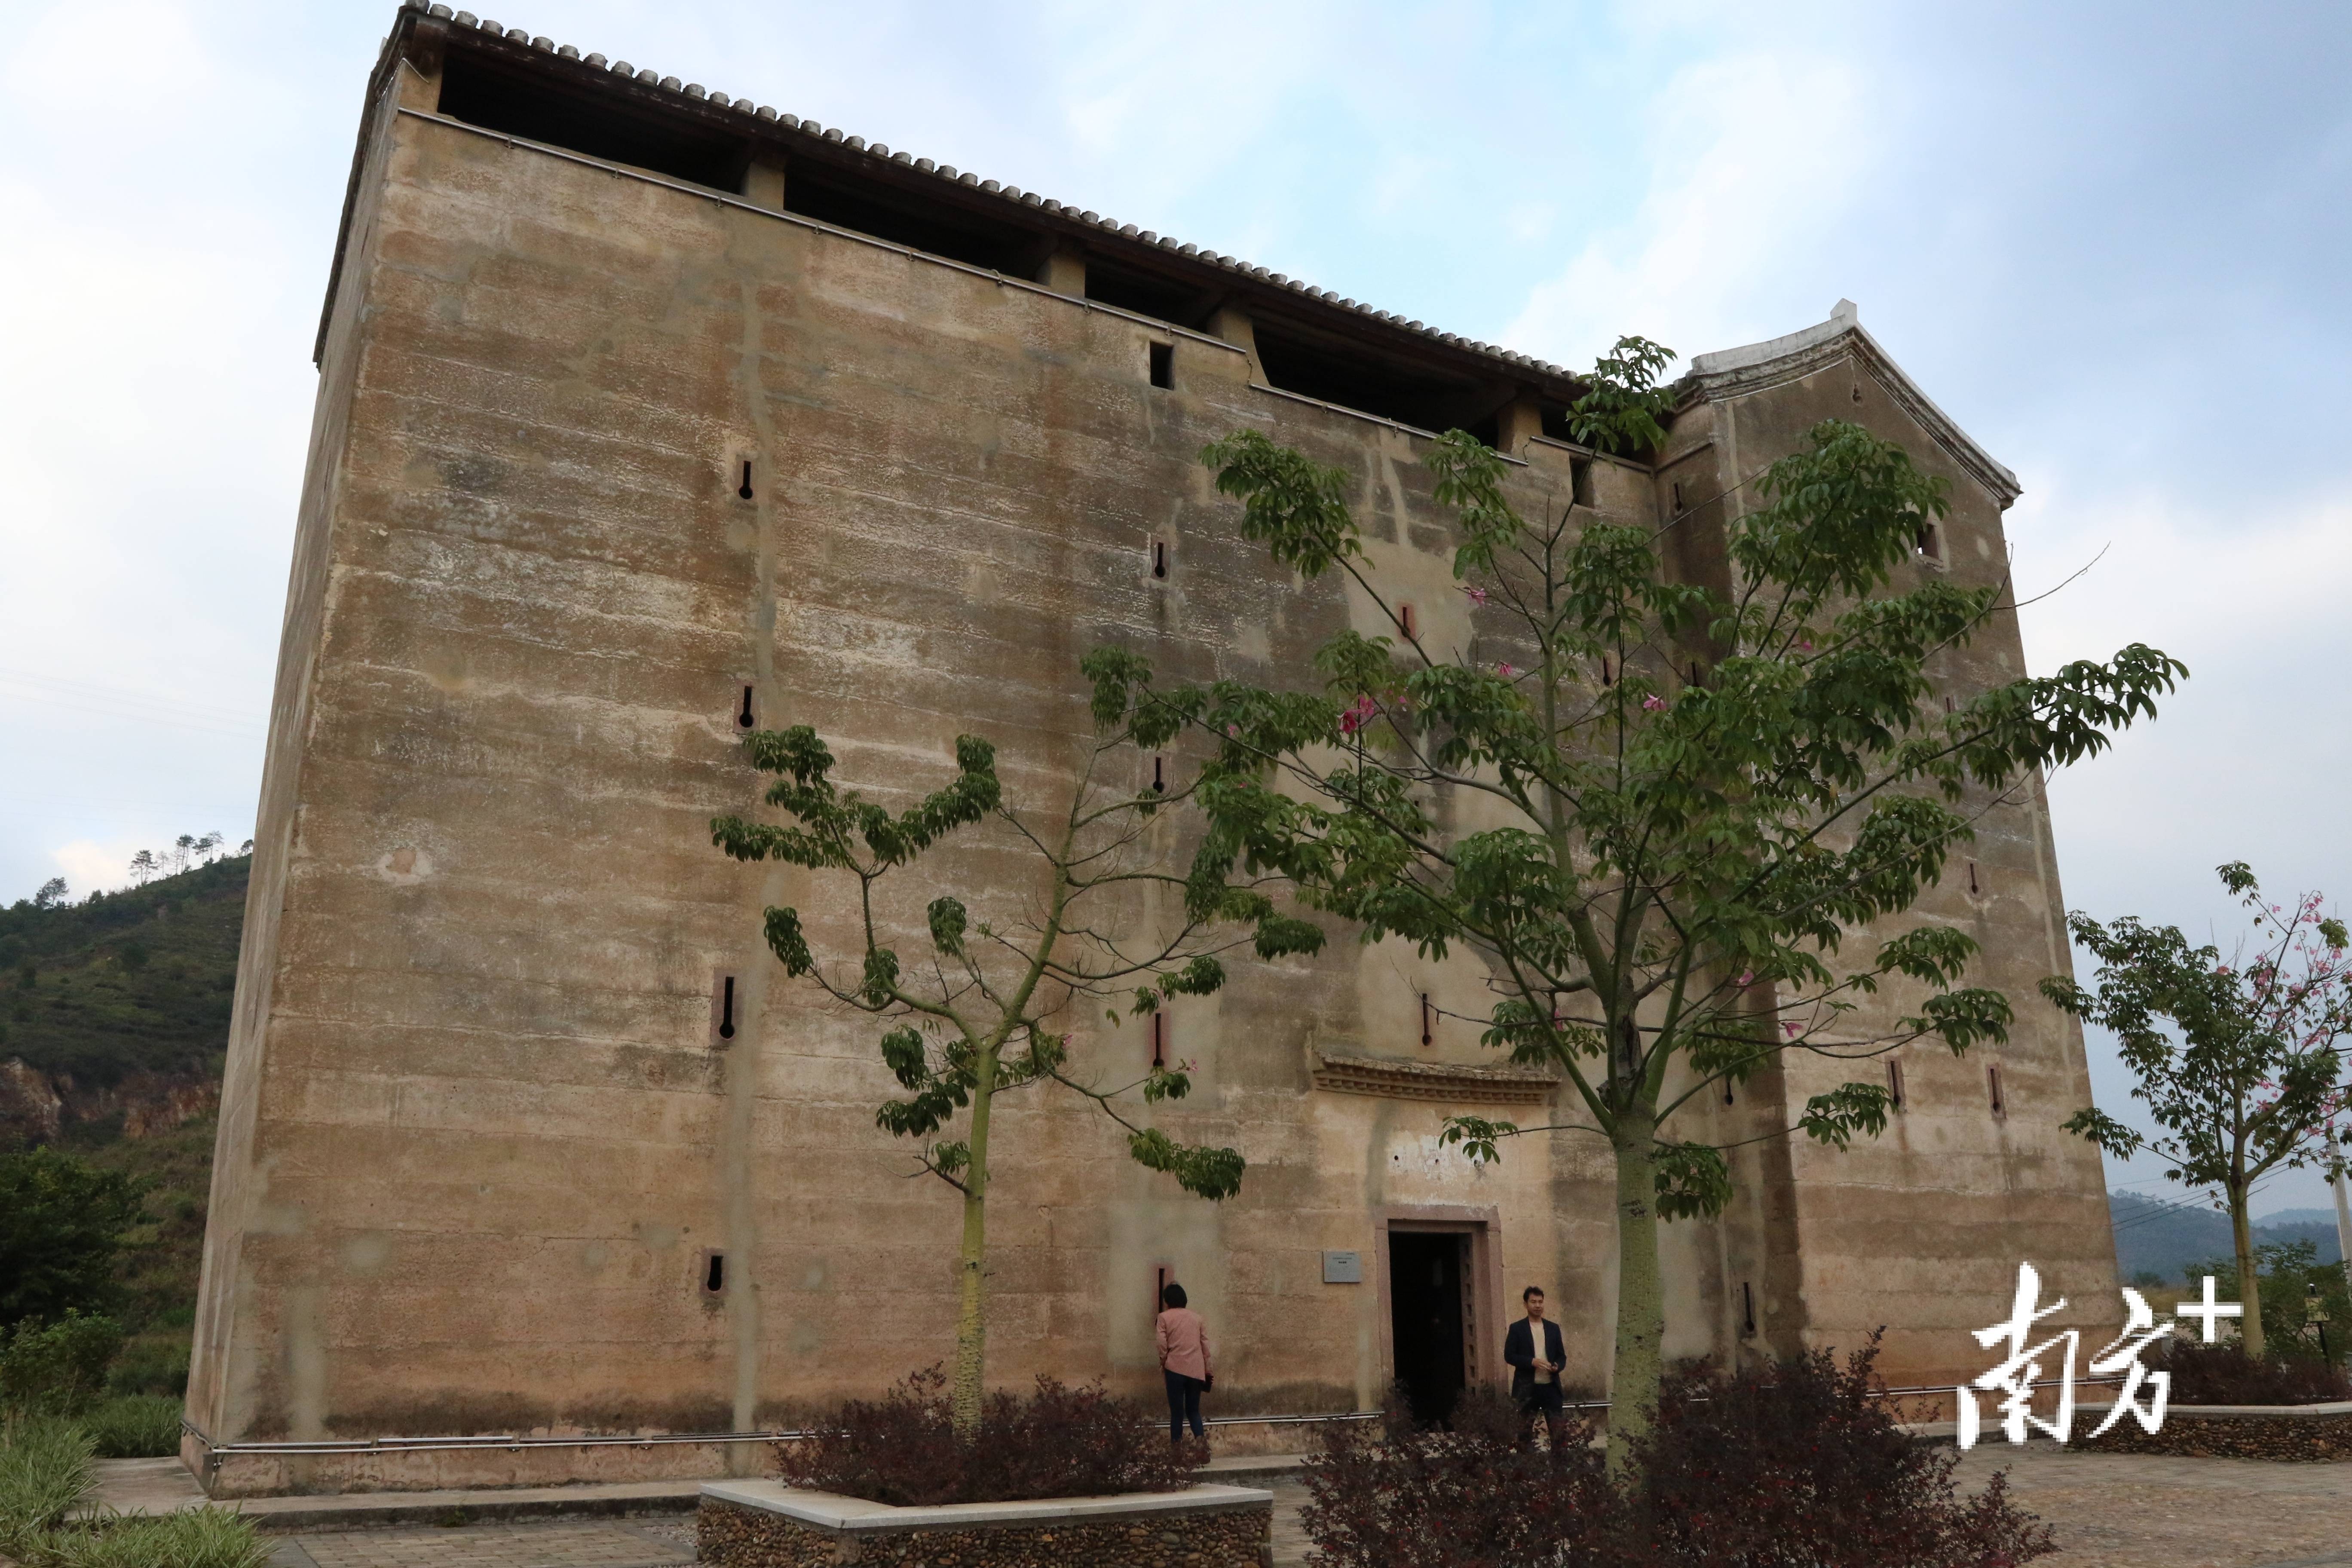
1184,1360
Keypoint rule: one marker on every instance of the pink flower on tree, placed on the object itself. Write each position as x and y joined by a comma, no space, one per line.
1505,671
1652,702
1477,595
1358,715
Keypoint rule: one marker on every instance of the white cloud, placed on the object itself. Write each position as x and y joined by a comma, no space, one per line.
2251,759
1748,155
91,867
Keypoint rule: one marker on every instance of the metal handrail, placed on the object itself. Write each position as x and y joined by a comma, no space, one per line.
510,1443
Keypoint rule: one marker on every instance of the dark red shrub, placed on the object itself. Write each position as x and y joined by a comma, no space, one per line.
2224,1375
1801,1462
1475,1493
1053,1442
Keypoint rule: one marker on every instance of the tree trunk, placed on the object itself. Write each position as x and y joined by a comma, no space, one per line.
2249,1286
1640,1302
971,1320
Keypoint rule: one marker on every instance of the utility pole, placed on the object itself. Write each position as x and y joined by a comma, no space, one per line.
2344,1205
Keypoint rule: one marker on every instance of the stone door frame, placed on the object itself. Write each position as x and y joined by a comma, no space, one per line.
1484,1315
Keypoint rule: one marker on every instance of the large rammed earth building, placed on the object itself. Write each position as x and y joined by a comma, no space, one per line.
642,412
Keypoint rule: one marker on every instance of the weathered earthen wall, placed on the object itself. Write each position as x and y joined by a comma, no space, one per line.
479,1137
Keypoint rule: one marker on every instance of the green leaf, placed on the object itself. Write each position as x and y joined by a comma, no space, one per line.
1624,410
947,918
1478,1137
1295,507
1846,1112
2111,1135
1692,1180
902,1053
1211,1174
788,942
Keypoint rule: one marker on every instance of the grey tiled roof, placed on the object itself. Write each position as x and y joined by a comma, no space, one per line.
647,76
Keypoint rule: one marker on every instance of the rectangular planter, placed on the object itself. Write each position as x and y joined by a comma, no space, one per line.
2312,1433
766,1524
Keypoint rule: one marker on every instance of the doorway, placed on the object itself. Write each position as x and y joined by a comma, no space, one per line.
1427,1273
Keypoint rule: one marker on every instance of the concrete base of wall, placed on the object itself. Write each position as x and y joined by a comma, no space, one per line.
765,1524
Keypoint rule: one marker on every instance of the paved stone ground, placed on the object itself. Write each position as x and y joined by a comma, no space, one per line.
2133,1511
2116,1511
2111,1511
523,1544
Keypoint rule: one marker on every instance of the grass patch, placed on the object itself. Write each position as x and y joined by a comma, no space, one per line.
46,1473
135,1426
199,1538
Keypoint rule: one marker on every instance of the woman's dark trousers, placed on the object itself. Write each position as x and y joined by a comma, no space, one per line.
1183,1405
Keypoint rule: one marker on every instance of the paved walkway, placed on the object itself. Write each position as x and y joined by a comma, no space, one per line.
519,1543
2111,1511
2135,1510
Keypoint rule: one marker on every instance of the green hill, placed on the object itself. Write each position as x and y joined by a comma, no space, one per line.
2168,1236
119,1007
124,983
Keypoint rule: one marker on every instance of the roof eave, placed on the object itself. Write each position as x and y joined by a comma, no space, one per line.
1755,366
428,29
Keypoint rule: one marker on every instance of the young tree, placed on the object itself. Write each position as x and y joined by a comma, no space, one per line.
61,1224
144,869
53,894
1701,794
978,1014
2237,1062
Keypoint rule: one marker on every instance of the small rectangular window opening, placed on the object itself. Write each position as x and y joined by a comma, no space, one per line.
745,490
1580,481
1894,1084
1676,490
743,717
1949,706
1160,776
714,1273
1427,1017
1604,670
1160,559
1409,623
1160,1038
1163,365
1727,1089
1992,1081
1975,888
1926,541
1747,1310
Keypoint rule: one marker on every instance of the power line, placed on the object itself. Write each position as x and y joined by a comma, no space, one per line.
96,701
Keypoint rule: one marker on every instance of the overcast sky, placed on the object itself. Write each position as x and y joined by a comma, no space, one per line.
2111,241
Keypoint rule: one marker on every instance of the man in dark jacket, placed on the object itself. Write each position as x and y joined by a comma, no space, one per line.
1535,1353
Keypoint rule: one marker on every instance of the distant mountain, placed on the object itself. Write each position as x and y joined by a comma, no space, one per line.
2167,1236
